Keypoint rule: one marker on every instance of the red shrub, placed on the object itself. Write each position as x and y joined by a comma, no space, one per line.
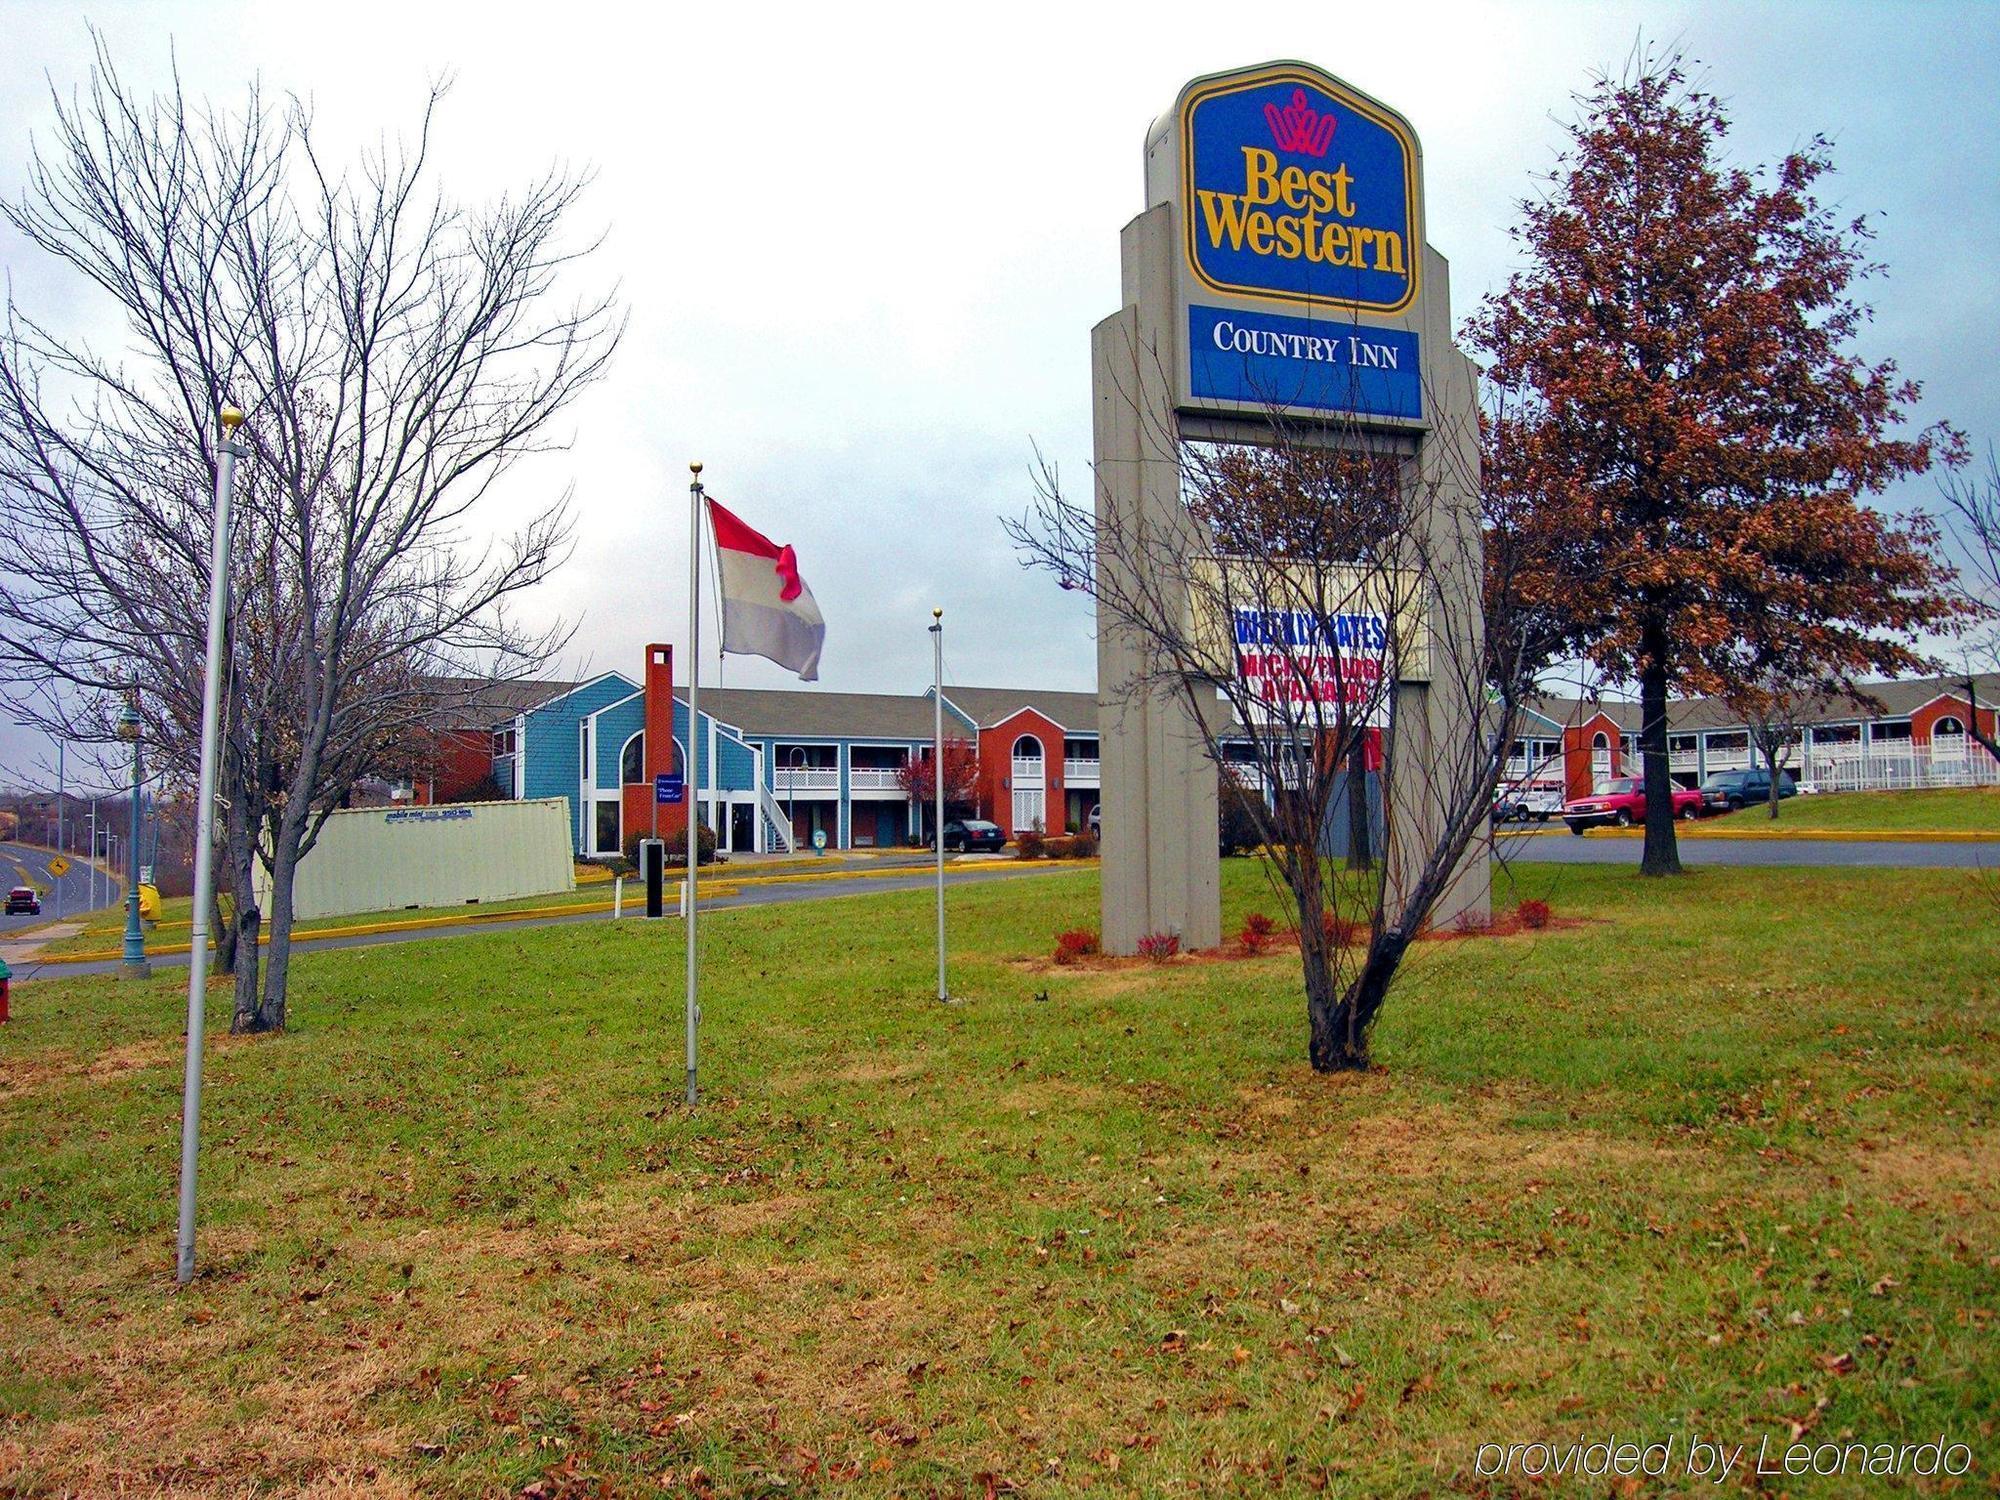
1342,931
1533,915
1257,930
1030,843
1468,922
1159,946
1078,942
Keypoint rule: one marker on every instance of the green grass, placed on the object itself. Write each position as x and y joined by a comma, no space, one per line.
1952,810
1715,1157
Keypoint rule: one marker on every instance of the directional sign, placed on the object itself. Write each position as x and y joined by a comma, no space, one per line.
58,867
669,788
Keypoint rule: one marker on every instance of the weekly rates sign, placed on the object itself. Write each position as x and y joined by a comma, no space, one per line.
1302,196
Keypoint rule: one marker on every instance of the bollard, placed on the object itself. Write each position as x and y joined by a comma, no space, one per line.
617,897
6,980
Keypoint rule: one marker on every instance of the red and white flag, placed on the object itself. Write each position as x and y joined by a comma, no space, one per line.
767,610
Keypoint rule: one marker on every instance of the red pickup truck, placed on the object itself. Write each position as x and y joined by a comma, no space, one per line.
1623,803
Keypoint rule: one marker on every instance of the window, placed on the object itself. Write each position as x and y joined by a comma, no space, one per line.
632,760
1948,725
1899,730
1027,747
503,742
607,826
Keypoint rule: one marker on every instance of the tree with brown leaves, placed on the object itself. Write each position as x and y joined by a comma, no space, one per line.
1691,420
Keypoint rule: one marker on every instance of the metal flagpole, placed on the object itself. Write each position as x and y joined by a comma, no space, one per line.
693,756
62,833
937,783
204,861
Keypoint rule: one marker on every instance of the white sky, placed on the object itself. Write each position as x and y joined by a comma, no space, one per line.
863,246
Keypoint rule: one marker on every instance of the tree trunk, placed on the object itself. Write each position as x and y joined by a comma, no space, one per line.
1662,854
225,933
1773,795
246,920
277,964
1358,855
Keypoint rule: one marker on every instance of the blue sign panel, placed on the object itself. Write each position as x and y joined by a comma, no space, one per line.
1266,359
1298,190
669,788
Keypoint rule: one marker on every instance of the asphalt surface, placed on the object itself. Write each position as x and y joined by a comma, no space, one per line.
1597,849
919,878
24,864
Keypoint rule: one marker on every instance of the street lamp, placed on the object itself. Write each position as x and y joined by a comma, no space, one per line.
136,966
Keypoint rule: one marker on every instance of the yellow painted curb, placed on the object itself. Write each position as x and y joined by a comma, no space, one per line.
724,887
1832,835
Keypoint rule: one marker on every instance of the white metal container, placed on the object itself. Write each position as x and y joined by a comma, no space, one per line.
390,858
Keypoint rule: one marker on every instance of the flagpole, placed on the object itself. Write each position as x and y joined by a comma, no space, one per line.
937,783
694,758
204,842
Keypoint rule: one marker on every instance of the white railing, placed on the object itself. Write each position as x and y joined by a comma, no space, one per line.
807,779
874,779
1077,770
1844,768
1028,770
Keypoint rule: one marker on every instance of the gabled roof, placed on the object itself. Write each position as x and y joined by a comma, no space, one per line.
808,714
1075,712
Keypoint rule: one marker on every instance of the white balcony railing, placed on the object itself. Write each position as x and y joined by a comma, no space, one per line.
874,779
1027,770
1079,771
796,779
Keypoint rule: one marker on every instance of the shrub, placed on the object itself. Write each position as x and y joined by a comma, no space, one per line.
1078,942
1342,931
1081,846
1533,915
1469,922
1031,843
1159,946
1257,930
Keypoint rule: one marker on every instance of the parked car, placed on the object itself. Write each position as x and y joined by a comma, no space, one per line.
1729,791
23,898
973,833
1524,804
1096,822
1623,803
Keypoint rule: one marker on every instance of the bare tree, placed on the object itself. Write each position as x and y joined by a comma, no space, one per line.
1320,587
1972,522
397,353
1776,706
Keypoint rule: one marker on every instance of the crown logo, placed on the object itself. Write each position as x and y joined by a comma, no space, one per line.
1300,127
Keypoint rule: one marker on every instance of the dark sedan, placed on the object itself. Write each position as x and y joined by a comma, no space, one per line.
973,833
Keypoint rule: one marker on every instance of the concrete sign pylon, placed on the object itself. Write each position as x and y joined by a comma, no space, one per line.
1279,271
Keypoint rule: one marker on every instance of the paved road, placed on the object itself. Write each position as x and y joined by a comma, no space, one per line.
1589,849
23,864
770,895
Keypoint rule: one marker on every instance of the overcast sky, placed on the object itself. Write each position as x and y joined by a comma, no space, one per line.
863,247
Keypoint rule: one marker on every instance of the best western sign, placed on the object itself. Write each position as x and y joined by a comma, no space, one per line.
1299,208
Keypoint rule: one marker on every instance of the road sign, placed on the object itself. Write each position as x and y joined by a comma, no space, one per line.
58,867
669,788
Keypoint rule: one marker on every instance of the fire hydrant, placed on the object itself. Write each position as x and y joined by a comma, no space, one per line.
6,978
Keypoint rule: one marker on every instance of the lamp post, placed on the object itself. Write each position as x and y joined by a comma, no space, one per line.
135,966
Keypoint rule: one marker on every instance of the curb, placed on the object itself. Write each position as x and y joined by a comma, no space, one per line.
1776,835
724,887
